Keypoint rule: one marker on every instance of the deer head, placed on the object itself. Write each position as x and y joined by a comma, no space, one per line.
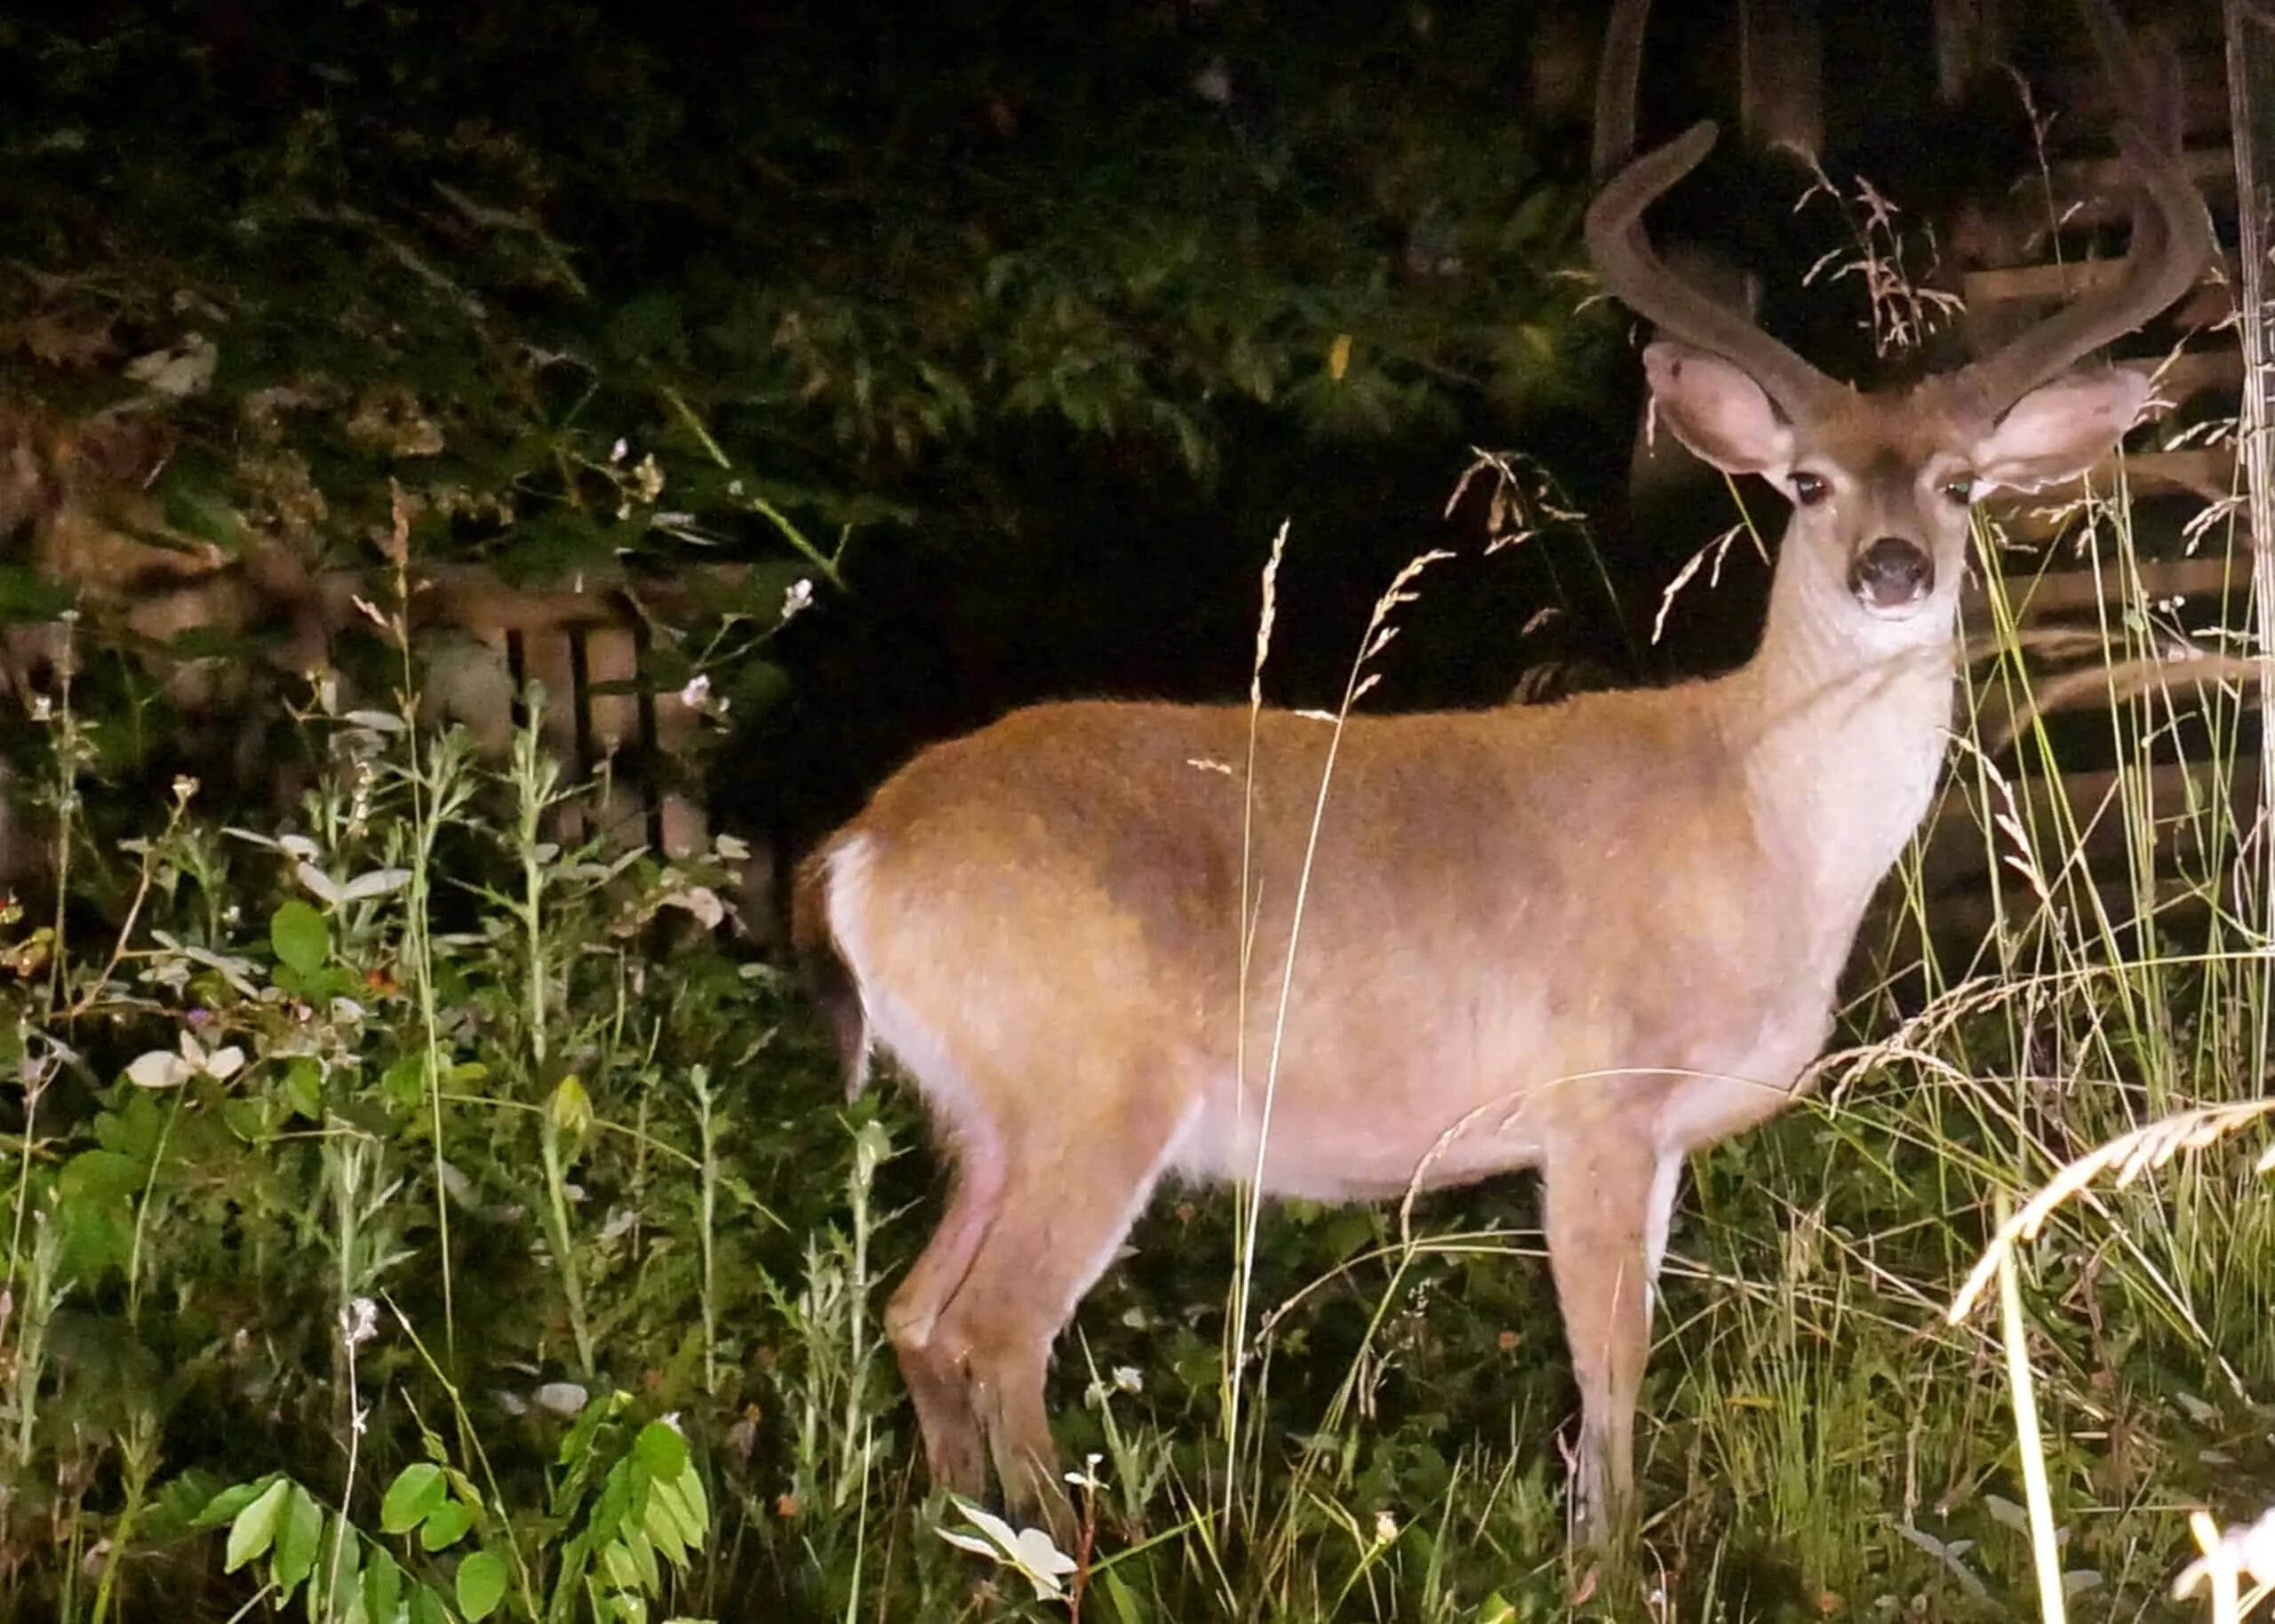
1110,942
1881,484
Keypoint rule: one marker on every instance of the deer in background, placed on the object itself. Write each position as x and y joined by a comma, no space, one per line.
1587,938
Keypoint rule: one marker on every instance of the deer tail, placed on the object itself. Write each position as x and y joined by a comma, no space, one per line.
835,988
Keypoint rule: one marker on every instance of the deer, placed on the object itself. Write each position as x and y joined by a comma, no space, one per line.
1586,938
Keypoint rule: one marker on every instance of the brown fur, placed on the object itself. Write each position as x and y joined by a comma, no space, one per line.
1588,938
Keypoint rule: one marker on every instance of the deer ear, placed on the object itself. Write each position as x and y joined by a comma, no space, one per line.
2059,430
1717,410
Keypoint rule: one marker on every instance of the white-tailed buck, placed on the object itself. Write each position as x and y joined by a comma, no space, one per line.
1588,937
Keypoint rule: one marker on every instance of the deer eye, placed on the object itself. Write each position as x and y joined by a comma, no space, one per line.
1811,488
1959,489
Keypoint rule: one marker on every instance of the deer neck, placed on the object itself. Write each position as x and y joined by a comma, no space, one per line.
1841,725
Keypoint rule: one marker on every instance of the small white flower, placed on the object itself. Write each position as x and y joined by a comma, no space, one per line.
697,694
1385,1527
799,596
159,1068
1028,1550
1128,1379
359,1322
616,452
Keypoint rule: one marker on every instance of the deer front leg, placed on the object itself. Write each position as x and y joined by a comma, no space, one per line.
1606,1204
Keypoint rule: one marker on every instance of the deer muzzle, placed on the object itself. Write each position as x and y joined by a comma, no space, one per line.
1891,575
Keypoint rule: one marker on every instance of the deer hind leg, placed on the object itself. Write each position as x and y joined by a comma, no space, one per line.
1606,1207
1070,1200
935,1373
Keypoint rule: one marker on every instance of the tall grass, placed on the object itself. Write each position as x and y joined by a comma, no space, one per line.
228,1377
393,1231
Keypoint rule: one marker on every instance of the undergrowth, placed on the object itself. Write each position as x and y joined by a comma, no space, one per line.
412,1216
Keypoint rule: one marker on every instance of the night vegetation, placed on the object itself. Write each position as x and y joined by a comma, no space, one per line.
413,1213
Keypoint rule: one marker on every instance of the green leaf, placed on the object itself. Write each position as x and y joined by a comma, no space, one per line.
27,595
300,937
247,1116
669,1511
660,1523
133,1128
303,1088
382,1588
481,1585
1535,218
99,1175
1126,1605
403,1084
616,1562
256,1526
571,1109
201,513
429,1608
615,1500
225,1504
296,1542
661,1449
444,1525
339,1556
98,1238
689,1485
577,1443
417,1489
643,1557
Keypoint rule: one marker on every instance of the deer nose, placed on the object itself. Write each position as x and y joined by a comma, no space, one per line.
1892,573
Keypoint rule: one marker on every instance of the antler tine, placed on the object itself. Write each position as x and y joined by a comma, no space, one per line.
1631,270
1620,250
2172,234
1617,83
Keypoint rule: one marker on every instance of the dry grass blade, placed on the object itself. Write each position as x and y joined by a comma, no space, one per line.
2129,1156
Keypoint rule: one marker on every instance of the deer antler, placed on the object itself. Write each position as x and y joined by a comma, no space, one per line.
1630,269
2172,238
2172,234
1618,84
